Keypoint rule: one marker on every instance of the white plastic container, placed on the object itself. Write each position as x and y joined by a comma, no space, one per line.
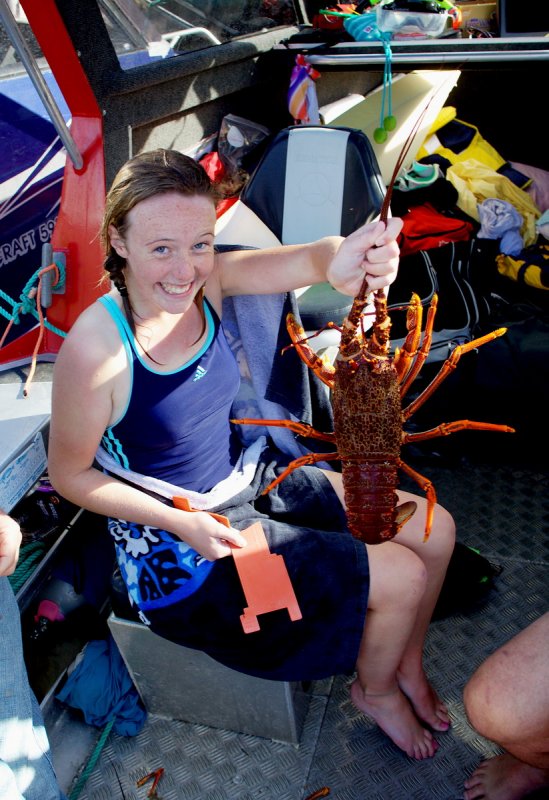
411,24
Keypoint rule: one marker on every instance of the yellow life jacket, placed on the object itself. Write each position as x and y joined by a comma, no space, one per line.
531,267
456,141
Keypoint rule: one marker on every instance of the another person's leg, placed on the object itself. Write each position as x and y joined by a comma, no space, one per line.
507,701
26,771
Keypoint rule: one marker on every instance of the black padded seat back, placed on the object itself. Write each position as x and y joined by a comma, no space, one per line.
314,181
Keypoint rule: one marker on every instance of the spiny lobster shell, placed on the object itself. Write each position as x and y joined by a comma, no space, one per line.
368,431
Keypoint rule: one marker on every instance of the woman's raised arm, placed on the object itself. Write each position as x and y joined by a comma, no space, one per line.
371,250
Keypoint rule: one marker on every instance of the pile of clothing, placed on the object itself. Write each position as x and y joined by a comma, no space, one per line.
459,186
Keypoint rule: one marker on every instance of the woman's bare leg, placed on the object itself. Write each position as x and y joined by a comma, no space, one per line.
397,623
435,555
397,585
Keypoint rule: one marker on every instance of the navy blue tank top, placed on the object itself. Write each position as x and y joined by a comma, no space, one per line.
176,424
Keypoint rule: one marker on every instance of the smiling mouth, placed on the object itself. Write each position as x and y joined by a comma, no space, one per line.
172,288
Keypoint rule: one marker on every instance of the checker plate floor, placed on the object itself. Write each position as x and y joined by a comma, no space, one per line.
502,510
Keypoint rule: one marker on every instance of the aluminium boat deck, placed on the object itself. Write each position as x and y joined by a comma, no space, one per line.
500,508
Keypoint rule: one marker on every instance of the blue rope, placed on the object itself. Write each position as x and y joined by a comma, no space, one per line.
8,299
387,121
388,74
27,304
363,27
386,83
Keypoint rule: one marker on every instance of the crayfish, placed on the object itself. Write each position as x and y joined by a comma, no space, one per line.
367,386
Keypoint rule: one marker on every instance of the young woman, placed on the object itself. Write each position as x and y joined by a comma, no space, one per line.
145,381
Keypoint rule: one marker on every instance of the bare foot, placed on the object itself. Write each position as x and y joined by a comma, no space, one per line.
504,778
425,702
394,715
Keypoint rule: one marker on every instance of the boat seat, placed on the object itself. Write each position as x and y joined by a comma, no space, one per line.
204,692
312,181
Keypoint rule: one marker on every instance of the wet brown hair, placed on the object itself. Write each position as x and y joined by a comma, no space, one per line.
147,175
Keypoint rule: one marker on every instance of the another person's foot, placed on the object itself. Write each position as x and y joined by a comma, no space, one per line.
394,715
504,778
425,702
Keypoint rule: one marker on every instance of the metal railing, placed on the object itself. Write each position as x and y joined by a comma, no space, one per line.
29,62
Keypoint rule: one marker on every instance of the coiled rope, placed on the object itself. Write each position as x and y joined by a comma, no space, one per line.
30,303
29,555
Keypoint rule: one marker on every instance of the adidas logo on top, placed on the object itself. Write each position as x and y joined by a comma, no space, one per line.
200,372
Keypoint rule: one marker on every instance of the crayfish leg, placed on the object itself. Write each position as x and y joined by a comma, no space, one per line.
310,458
430,493
421,357
447,428
301,428
448,367
406,355
323,370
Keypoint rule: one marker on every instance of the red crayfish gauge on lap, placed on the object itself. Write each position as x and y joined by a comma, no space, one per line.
368,385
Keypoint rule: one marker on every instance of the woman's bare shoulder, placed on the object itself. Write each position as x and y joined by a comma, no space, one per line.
92,339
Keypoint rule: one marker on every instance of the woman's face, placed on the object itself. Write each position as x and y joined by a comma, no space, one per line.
168,247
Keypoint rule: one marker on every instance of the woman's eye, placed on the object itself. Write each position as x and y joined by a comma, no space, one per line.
161,249
202,246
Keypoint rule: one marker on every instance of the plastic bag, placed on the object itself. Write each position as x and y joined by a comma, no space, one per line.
418,20
237,137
